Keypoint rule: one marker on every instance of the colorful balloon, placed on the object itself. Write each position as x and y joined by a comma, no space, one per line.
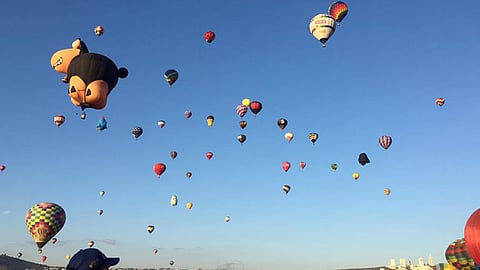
67,257
102,123
59,120
161,123
210,120
188,174
286,166
137,132
387,191
19,254
241,138
334,166
173,200
242,110
44,220
171,76
282,123
385,141
99,30
173,154
356,175
159,168
472,235
242,124
338,10
255,107
302,164
189,205
209,155
286,188
322,27
187,114
458,255
91,243
54,240
150,228
289,136
313,137
209,36
363,159
440,101
246,102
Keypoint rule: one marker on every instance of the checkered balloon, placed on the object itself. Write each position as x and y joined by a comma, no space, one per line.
44,220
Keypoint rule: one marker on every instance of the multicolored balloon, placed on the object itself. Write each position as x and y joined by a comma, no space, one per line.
282,123
210,120
286,188
171,76
187,114
242,110
173,154
303,164
241,138
150,228
338,10
387,191
44,220
99,30
242,124
440,101
385,141
334,166
313,137
322,27
59,120
209,36
458,255
173,200
161,123
288,136
137,132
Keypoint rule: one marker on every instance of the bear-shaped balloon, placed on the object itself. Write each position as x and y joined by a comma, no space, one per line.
91,76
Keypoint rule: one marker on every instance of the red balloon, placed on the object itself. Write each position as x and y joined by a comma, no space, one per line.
472,236
255,107
209,36
2,168
44,258
159,168
303,164
209,155
286,165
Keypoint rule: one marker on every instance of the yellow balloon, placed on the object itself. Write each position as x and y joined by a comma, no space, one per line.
67,257
288,136
356,175
387,191
189,205
246,102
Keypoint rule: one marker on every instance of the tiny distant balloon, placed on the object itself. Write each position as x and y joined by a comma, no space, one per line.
286,188
242,124
54,240
303,164
161,123
440,101
67,257
59,120
99,30
385,141
173,154
44,258
2,168
209,155
188,174
242,110
288,136
286,166
172,262
246,102
159,168
227,219
189,205
355,175
102,193
173,200
209,36
387,191
19,254
210,120
363,159
171,76
155,251
282,123
137,132
334,166
102,123
150,228
313,137
241,138
100,212
255,107
187,114
91,243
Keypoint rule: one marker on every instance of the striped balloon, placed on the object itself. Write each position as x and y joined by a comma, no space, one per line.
440,101
242,110
338,11
385,141
458,256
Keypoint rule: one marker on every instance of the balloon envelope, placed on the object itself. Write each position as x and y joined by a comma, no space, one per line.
44,220
338,10
286,188
322,27
99,30
242,110
363,159
286,166
255,107
282,123
159,168
209,36
440,101
137,132
209,155
472,235
385,141
150,228
59,120
288,136
458,256
313,137
171,76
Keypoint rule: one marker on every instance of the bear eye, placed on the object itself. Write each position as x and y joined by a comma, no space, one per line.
88,92
72,89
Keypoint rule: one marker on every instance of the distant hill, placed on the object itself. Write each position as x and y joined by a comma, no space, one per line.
11,263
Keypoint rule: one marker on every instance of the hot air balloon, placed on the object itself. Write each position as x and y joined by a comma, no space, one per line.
355,175
242,124
286,166
363,159
159,168
472,236
227,219
100,212
440,101
137,132
150,228
282,123
161,123
286,188
91,76
173,200
313,137
302,164
19,254
255,107
288,136
59,120
172,262
102,193
173,154
209,155
188,174
99,30
334,166
54,240
338,10
44,220
187,114
2,168
171,76
385,141
210,120
241,138
387,191
44,258
189,205
102,123
322,27
91,243
246,102
242,110
458,255
209,36
67,257
155,251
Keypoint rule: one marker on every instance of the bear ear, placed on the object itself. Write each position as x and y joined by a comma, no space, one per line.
122,72
79,44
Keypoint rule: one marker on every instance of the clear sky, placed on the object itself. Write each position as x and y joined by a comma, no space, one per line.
379,75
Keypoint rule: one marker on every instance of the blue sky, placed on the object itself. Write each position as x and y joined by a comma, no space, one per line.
379,75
